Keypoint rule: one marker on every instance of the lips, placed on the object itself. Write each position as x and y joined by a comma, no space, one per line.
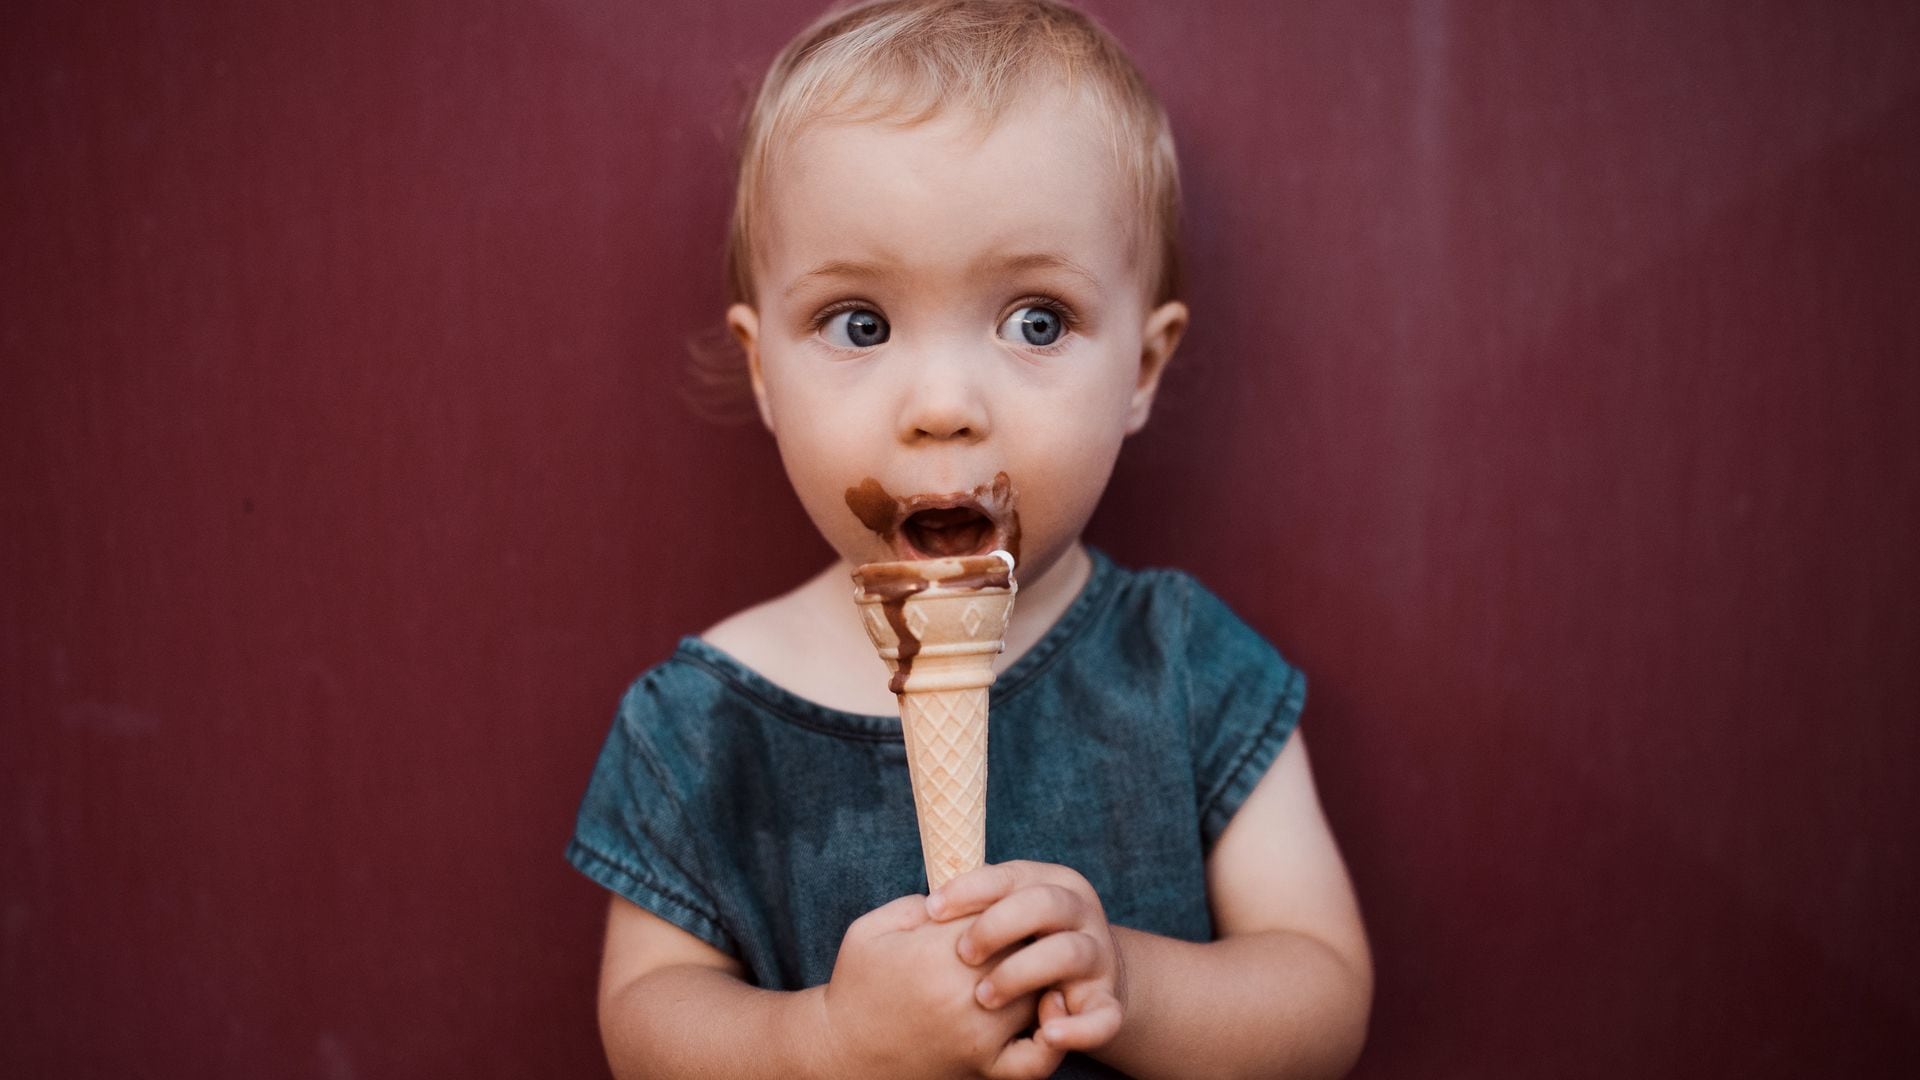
971,522
949,531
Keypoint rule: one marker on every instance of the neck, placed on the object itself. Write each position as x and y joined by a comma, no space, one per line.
1042,601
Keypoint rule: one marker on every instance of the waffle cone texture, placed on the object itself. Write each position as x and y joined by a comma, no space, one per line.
943,710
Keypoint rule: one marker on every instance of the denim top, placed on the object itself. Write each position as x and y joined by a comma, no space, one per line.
1120,745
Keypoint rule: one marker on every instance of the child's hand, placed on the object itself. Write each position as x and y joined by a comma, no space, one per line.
901,1003
1074,949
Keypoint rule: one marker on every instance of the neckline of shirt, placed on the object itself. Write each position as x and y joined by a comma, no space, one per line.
738,677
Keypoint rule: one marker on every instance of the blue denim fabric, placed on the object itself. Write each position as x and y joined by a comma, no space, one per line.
1120,745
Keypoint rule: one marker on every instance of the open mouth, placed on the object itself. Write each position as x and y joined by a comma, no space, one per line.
949,531
972,522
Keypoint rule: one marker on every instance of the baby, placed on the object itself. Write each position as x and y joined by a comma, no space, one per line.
955,281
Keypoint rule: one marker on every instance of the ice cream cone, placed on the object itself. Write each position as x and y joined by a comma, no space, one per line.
938,624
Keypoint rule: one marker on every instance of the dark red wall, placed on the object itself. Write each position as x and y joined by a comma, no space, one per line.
1553,397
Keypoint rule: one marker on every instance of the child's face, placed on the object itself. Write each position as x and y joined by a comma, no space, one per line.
939,305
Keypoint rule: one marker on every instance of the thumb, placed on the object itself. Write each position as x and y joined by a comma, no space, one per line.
904,913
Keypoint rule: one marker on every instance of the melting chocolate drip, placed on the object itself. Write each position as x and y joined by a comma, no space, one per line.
895,607
893,583
1000,497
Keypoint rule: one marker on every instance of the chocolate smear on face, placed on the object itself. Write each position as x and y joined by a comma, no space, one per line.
997,501
877,510
885,514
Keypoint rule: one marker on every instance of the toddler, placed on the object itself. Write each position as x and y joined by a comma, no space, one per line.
955,280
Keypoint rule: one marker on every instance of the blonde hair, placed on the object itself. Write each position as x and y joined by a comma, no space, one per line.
906,60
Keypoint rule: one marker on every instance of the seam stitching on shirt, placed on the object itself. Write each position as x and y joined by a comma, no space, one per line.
650,758
1082,612
733,683
1068,635
646,882
1268,732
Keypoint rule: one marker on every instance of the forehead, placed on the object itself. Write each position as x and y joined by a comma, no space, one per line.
952,192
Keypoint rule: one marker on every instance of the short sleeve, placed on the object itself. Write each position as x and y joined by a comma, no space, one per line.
1244,700
633,835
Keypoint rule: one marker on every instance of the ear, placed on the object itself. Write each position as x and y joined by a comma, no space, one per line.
1165,326
744,323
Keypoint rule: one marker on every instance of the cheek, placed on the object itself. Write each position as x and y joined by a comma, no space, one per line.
808,414
825,450
819,472
1062,478
1081,430
819,458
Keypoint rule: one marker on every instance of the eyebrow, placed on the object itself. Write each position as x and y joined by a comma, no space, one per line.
840,268
1044,260
1011,264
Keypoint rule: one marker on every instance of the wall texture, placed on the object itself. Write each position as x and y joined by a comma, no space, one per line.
1554,399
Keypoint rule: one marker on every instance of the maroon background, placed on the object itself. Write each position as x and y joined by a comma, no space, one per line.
1554,399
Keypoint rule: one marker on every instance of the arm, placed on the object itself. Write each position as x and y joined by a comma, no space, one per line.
899,1003
1283,990
673,1005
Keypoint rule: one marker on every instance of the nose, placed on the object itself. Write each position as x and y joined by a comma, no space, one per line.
943,400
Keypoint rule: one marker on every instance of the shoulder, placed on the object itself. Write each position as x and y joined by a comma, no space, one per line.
664,708
754,636
809,642
1186,619
686,674
763,638
1164,626
1235,683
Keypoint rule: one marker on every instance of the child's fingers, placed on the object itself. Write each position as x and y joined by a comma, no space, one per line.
1058,958
1052,1004
1091,1027
1026,1059
977,890
904,913
1029,912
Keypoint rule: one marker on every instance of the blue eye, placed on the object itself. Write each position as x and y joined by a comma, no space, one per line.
1033,325
856,329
